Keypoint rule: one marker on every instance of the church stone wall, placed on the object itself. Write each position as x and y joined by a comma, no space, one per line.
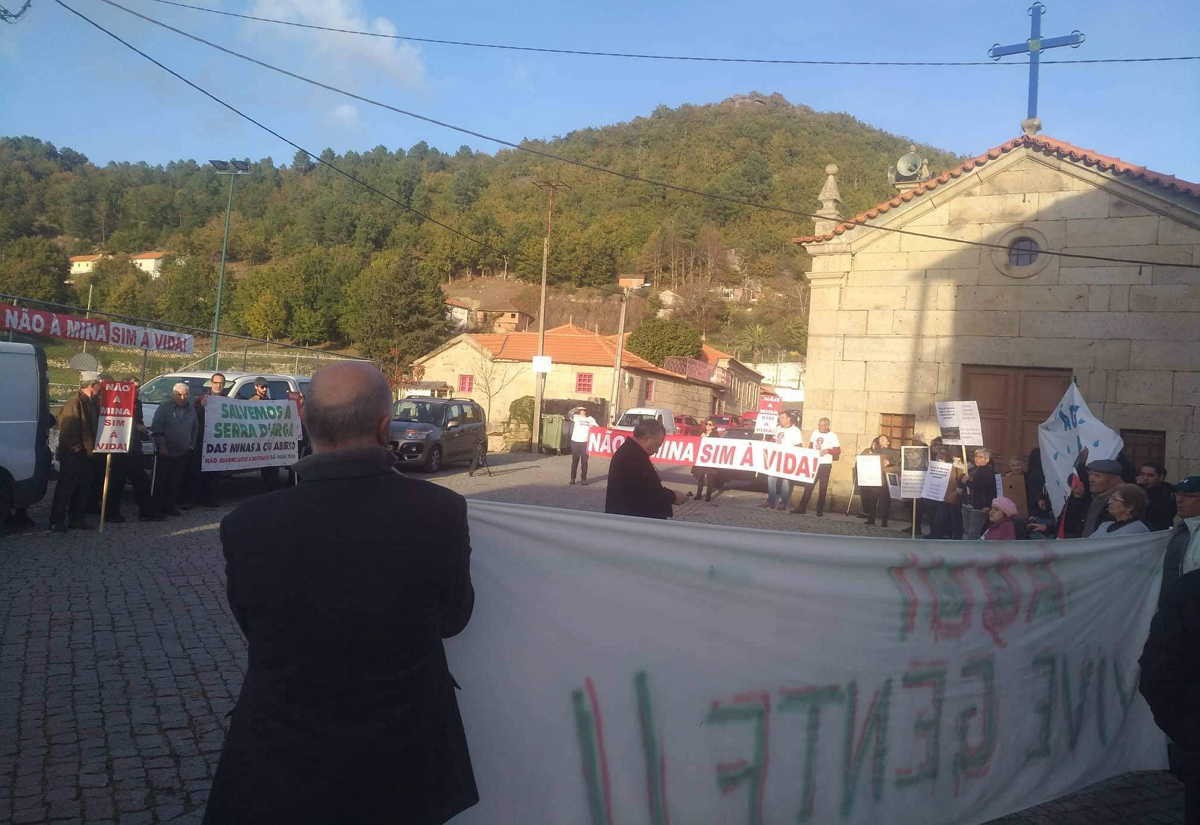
894,318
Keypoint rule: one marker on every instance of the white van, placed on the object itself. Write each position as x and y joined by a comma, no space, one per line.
24,422
630,418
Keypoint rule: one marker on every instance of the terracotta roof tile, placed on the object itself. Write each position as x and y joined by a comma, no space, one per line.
1038,143
583,348
147,256
84,258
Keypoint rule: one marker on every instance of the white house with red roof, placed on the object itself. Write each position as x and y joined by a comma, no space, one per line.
904,313
150,262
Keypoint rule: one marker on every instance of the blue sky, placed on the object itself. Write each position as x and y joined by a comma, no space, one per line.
67,83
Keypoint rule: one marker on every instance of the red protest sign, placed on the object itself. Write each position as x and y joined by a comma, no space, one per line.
118,400
675,449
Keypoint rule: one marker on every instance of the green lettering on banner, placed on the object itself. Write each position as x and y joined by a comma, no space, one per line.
810,701
585,731
972,760
875,726
1045,707
927,726
655,792
1072,713
745,708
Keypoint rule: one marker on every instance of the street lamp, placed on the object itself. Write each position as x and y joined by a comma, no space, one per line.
232,168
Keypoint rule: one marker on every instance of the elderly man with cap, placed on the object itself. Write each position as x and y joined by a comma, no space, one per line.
1170,668
581,423
174,431
76,442
1103,476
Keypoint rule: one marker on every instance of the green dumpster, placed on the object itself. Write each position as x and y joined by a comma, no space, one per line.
554,433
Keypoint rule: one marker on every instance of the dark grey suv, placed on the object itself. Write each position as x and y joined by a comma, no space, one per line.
430,432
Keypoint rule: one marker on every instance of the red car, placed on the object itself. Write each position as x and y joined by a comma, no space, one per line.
726,422
687,425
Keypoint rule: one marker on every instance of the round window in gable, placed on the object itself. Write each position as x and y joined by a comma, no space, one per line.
1023,252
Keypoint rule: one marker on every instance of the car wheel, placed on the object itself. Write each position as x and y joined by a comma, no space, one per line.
433,462
7,496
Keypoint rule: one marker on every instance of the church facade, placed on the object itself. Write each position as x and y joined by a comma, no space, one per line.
898,321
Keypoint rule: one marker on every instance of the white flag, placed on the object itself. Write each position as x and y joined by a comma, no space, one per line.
1069,430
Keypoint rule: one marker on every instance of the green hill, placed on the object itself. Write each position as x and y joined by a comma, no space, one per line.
310,248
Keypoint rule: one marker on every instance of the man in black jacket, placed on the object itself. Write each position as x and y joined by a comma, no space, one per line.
634,488
1170,681
1160,496
345,586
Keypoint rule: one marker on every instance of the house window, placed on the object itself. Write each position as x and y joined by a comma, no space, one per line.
899,427
1145,446
649,389
1023,252
466,383
583,382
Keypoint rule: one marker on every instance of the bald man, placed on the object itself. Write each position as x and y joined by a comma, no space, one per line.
345,586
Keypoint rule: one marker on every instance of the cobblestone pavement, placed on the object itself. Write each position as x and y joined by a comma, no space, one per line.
119,658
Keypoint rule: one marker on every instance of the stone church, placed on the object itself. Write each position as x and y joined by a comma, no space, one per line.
898,321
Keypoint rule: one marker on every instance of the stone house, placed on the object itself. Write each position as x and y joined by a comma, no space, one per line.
496,369
898,321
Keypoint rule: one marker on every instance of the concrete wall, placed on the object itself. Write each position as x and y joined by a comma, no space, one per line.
894,318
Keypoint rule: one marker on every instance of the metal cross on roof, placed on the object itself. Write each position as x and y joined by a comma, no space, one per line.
1035,45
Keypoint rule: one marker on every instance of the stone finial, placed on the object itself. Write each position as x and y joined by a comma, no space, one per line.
830,213
1031,126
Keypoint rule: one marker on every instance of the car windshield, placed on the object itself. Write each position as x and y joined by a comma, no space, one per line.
158,390
630,419
419,411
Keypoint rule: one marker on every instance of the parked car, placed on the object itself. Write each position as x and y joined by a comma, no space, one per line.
24,421
726,422
431,432
688,425
742,478
630,418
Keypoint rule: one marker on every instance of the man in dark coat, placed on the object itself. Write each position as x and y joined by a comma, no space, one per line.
345,586
1170,681
1187,498
634,488
1103,476
1160,496
76,443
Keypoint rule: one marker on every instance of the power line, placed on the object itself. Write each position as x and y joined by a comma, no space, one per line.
649,56
550,155
291,143
13,16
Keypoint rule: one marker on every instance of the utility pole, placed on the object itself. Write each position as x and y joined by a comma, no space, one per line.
626,285
232,168
551,188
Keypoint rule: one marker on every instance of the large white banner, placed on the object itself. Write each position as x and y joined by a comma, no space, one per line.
766,457
1069,430
244,435
622,670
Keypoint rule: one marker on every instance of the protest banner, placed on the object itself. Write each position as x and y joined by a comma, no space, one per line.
1070,430
245,435
767,420
870,470
114,430
893,482
628,670
937,479
767,457
675,449
94,330
959,422
913,461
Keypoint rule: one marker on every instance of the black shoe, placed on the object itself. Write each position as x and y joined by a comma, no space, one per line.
800,512
116,518
819,514
58,527
152,517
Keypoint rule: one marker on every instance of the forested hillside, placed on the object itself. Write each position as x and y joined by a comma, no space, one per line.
318,258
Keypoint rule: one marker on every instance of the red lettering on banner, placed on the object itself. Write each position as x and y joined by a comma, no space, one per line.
748,456
790,462
706,453
804,467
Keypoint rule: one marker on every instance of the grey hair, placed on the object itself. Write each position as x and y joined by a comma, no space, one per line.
648,428
181,387
343,420
984,451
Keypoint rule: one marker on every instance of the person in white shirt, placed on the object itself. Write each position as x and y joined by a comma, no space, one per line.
581,422
824,441
779,490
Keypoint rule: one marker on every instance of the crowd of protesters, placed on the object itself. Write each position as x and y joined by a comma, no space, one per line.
165,482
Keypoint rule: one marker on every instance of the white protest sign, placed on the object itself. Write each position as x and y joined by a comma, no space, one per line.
767,457
767,420
541,363
959,422
870,470
243,435
792,677
913,461
893,482
115,427
937,479
1070,429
